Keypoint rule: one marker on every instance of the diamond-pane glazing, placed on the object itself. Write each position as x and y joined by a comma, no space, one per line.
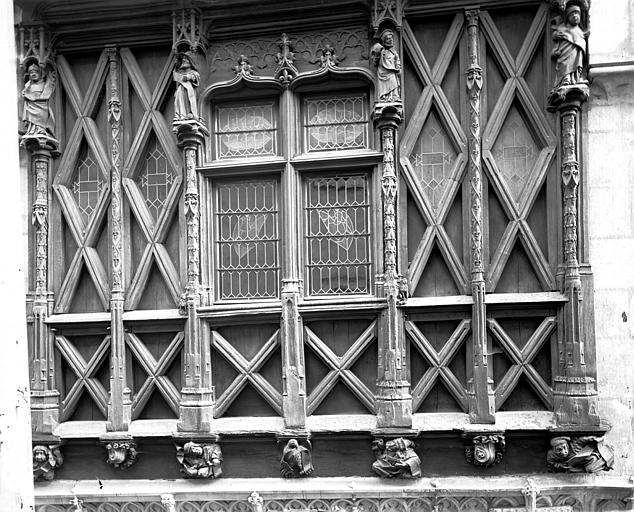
87,185
515,152
155,178
336,123
432,159
247,239
337,235
245,130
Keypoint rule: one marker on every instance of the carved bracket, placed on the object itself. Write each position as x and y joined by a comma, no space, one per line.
485,449
396,458
122,450
200,458
584,454
46,459
296,460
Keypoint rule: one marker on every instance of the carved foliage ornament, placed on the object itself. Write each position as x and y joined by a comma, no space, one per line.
296,459
286,71
485,450
396,458
45,460
121,454
200,460
586,454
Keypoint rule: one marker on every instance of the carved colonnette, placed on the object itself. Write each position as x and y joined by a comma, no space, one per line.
481,397
38,137
196,396
575,393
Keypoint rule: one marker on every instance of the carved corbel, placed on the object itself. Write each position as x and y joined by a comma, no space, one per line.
584,454
46,459
296,459
122,450
200,457
285,71
485,449
396,458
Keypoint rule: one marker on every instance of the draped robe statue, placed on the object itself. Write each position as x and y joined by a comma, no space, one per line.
187,79
388,68
570,48
37,113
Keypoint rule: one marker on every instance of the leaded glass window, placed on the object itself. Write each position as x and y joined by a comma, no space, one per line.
87,184
156,178
247,240
337,234
336,123
245,130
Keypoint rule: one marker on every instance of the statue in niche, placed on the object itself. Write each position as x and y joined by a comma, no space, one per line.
45,460
121,454
296,460
570,48
187,79
388,70
396,459
37,113
586,454
200,460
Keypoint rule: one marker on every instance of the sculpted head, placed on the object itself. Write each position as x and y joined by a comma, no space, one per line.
193,449
35,72
40,454
573,14
387,38
560,446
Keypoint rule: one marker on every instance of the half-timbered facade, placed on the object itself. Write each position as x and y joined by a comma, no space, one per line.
342,243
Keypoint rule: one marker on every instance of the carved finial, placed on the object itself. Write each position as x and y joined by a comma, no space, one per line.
328,56
390,11
200,460
46,459
168,502
121,454
296,459
243,67
187,31
396,458
256,501
286,71
586,454
485,450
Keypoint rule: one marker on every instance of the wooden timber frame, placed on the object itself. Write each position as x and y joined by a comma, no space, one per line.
478,312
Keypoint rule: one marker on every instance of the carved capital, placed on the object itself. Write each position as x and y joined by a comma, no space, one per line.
396,458
46,459
200,458
485,449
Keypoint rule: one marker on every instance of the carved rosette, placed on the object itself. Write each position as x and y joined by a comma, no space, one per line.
121,453
46,459
485,450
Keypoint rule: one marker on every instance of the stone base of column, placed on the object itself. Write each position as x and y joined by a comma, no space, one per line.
196,411
393,405
44,411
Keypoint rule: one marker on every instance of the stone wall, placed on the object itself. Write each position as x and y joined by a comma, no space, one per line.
610,186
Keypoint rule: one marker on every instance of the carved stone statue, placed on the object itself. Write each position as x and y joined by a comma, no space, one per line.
485,450
388,70
396,459
296,460
586,454
121,454
45,460
570,48
200,460
37,113
187,79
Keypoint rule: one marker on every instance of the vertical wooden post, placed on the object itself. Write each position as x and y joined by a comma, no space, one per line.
120,403
291,329
481,397
42,146
394,401
196,407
